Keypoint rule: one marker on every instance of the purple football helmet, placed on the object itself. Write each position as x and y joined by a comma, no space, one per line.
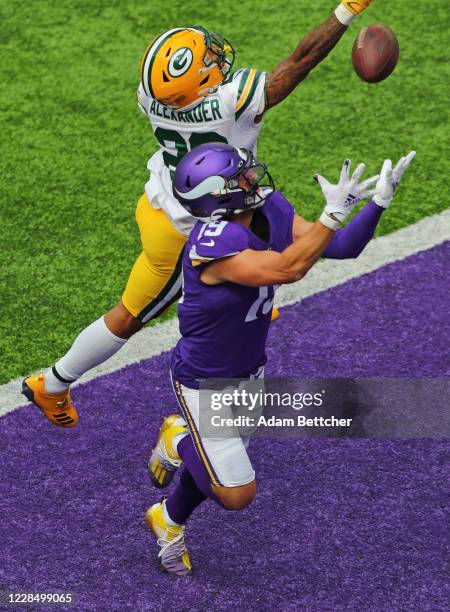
215,180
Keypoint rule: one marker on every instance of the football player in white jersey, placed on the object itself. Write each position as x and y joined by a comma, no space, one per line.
191,97
223,109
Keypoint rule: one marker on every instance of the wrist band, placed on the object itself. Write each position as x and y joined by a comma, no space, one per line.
329,222
344,15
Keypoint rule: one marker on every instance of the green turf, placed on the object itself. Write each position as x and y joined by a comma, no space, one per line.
74,147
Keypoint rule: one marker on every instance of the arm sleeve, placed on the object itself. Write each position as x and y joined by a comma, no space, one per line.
283,213
350,241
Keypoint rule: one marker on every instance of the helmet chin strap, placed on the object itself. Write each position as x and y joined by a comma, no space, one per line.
261,194
220,213
238,211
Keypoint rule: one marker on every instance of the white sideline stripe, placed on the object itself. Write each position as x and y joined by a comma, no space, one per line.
327,274
381,251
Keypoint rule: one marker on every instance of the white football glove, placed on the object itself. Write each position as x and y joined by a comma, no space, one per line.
342,198
390,179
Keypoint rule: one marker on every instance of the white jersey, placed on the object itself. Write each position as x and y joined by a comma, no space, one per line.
227,115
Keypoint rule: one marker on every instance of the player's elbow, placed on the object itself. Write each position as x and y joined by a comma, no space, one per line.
294,273
294,277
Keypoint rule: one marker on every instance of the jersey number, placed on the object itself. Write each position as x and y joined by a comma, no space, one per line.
212,229
169,139
263,301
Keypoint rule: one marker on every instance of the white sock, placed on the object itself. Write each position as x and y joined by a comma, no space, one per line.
167,517
93,346
344,15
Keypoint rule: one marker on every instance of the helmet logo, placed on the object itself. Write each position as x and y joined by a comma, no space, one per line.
180,62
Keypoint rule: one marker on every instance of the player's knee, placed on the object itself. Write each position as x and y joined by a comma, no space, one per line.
236,498
121,322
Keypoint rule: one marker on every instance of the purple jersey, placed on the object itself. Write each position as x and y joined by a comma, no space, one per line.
224,327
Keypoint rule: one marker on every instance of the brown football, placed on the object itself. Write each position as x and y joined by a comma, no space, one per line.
375,53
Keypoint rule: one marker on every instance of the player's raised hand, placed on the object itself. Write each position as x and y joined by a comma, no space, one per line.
390,179
342,198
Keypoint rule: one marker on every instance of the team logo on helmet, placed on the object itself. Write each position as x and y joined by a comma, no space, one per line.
180,62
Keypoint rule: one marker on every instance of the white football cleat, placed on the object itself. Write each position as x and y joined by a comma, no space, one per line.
174,556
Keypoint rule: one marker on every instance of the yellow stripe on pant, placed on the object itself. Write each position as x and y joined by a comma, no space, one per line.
155,279
195,435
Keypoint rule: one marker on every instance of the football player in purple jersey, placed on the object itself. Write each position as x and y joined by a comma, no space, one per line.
248,240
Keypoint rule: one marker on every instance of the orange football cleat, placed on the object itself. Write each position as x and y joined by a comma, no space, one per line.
58,407
275,314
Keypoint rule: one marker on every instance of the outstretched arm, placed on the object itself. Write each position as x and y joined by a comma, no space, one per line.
295,68
312,49
347,242
260,268
350,241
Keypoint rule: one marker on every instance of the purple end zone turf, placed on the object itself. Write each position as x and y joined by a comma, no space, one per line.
337,524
